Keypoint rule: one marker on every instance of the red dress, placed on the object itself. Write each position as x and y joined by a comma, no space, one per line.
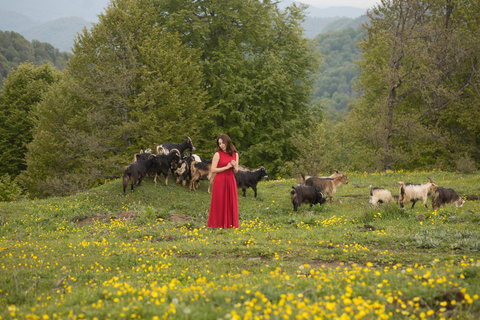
224,205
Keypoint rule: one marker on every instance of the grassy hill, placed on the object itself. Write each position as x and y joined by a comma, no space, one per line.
149,255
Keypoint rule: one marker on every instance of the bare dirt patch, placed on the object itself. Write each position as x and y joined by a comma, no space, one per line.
179,218
328,264
127,215
164,238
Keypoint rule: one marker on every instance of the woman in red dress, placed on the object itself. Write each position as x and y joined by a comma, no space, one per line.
224,205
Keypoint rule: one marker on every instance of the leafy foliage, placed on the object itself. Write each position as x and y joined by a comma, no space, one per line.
128,86
62,157
23,89
10,190
155,72
419,73
257,70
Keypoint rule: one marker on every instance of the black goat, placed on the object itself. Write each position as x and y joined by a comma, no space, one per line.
183,172
136,171
165,163
442,196
306,194
141,155
166,148
250,179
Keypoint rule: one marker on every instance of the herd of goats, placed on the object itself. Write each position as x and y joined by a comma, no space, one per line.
190,167
312,190
170,157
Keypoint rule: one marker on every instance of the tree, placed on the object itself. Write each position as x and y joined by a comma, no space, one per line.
420,69
258,71
142,82
22,90
62,157
129,85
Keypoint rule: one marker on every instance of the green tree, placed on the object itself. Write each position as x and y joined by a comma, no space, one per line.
258,71
10,190
22,90
62,158
418,73
143,84
130,85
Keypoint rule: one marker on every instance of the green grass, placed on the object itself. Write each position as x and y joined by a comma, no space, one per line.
148,254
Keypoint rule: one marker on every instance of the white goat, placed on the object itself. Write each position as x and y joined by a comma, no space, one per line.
414,192
379,195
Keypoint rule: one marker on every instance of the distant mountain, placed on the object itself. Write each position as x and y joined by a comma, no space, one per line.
47,20
327,12
315,26
345,23
333,87
319,20
47,10
60,32
349,12
10,20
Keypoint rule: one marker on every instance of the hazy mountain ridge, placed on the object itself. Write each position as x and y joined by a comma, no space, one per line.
14,21
332,12
48,10
58,21
60,32
314,26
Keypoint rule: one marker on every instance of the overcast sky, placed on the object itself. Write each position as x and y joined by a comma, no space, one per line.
340,3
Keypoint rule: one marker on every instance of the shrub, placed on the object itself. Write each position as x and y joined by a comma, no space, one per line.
10,190
465,164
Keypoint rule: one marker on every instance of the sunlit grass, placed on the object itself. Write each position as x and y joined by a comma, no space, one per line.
341,260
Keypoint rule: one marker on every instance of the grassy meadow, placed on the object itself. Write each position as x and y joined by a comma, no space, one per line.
149,255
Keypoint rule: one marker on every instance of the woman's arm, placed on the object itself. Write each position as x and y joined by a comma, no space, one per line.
235,165
215,169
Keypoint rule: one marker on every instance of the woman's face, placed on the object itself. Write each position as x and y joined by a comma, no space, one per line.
222,145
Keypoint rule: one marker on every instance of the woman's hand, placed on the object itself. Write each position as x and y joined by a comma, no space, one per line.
234,164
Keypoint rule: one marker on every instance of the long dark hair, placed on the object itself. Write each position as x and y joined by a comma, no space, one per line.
230,147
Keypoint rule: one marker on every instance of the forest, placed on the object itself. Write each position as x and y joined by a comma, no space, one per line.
15,49
398,93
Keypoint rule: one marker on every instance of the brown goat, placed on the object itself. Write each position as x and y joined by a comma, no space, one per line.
327,186
304,178
200,171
